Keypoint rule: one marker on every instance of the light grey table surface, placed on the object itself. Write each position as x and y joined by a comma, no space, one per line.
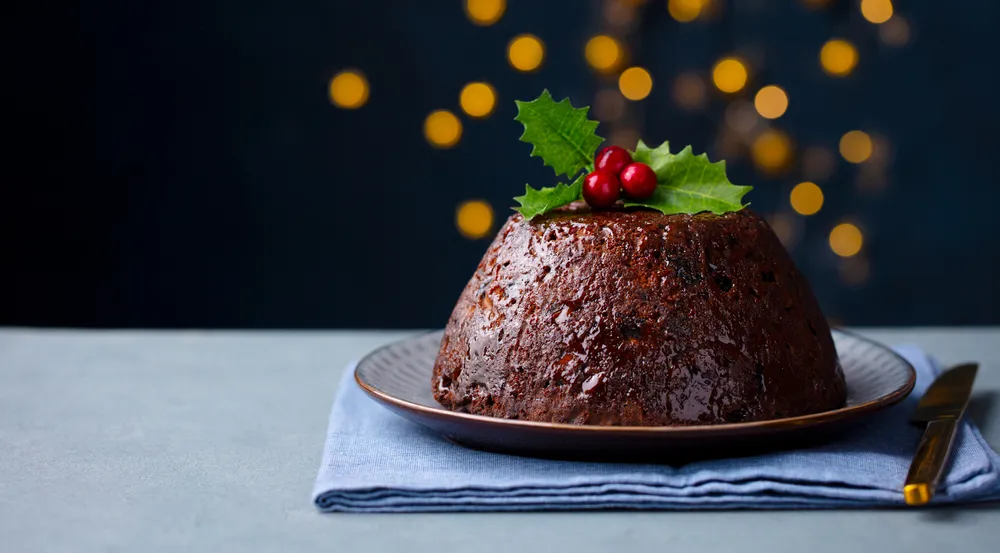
209,441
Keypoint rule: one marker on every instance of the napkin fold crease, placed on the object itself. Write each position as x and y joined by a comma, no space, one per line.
376,461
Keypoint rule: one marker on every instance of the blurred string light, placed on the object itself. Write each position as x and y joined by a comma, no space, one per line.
442,129
729,75
685,11
856,146
485,12
838,57
526,52
626,137
474,219
771,102
895,32
609,105
873,174
741,117
689,91
635,83
620,13
806,198
772,151
603,53
349,89
478,99
818,163
882,153
876,11
846,240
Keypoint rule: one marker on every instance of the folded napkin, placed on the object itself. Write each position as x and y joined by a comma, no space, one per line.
376,461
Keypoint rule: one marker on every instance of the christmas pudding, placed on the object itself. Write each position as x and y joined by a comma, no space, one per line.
643,305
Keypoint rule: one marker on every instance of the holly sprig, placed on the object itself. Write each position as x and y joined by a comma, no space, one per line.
687,183
561,135
566,141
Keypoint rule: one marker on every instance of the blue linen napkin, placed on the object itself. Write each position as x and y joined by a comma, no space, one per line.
376,461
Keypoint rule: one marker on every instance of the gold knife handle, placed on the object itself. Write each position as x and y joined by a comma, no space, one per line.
928,464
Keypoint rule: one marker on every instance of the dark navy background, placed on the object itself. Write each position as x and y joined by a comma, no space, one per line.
179,164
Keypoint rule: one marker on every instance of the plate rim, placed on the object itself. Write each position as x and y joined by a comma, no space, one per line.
888,400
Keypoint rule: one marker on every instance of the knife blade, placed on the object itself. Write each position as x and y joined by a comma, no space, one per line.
941,408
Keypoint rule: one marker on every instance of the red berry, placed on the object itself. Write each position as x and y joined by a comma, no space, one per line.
638,180
612,159
601,189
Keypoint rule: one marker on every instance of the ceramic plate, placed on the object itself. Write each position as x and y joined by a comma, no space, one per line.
399,376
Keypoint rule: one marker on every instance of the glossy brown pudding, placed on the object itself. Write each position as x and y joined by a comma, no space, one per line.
637,318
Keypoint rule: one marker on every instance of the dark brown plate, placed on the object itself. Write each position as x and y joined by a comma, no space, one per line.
399,376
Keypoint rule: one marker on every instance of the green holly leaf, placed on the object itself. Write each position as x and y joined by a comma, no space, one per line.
561,135
657,159
688,183
535,202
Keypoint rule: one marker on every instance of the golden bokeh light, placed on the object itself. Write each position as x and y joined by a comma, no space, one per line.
478,99
729,75
771,102
771,151
485,12
838,57
635,83
882,153
685,10
603,53
474,219
741,117
846,240
806,198
626,137
690,91
525,52
349,89
619,13
876,11
895,32
856,146
442,129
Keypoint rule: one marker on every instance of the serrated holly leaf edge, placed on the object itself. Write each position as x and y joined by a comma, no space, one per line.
643,153
585,157
576,187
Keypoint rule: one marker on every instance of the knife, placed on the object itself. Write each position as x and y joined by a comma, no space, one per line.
940,409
